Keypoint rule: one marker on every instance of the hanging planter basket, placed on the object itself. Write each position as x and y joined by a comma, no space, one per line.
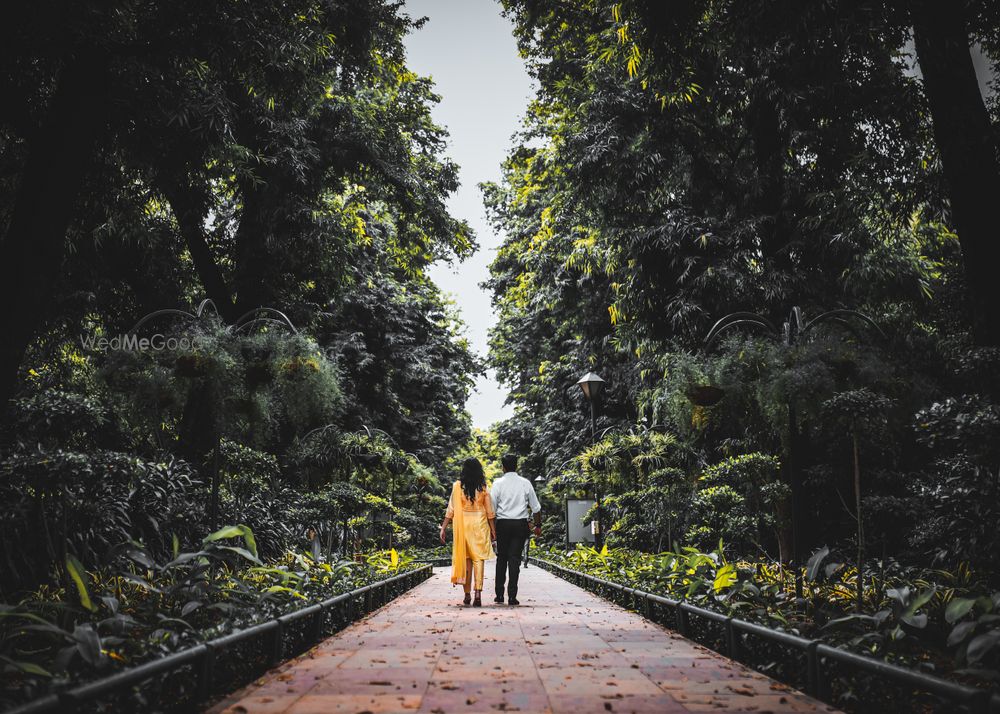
192,365
705,395
369,461
259,373
300,367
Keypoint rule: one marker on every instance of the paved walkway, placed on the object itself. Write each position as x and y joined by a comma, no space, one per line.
562,650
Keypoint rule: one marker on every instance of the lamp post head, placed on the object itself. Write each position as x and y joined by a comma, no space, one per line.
592,385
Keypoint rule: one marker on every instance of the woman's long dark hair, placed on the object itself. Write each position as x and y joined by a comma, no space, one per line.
473,479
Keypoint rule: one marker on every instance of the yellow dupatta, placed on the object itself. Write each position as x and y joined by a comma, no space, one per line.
458,554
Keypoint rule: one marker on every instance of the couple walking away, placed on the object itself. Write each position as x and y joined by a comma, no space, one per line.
500,515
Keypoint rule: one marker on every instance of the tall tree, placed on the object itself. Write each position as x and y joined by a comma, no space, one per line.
966,140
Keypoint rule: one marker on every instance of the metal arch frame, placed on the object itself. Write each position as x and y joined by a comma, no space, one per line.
268,315
795,326
235,329
840,316
197,314
370,430
317,429
281,319
739,318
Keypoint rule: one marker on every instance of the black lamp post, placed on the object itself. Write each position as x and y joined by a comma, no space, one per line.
592,386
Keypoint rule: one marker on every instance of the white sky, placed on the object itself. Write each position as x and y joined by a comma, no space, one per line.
467,48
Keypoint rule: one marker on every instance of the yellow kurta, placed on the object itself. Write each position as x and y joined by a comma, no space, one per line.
471,530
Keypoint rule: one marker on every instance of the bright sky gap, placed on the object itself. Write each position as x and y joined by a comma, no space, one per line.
467,48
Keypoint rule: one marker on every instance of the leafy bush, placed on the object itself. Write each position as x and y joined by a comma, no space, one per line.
67,419
86,503
741,501
957,496
140,608
933,619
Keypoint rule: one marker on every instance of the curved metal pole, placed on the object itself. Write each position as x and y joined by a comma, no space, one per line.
796,320
844,313
234,329
383,432
158,313
313,431
846,325
765,324
656,427
607,429
741,316
207,302
282,317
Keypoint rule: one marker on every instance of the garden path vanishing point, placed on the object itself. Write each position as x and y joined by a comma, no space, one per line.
562,650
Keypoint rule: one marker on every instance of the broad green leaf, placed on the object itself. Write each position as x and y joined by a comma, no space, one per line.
958,608
243,552
724,578
283,589
141,557
919,600
79,575
88,644
190,607
234,532
959,632
981,645
812,565
918,621
26,667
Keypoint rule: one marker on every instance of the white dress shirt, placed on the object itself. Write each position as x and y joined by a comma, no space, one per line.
514,497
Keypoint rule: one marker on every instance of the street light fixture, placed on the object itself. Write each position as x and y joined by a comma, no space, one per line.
592,385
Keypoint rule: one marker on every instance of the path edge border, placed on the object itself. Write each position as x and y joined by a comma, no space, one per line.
369,598
974,699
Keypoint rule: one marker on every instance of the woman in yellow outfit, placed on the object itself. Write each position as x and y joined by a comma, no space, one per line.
474,529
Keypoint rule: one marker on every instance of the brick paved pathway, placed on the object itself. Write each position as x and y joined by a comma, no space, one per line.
563,650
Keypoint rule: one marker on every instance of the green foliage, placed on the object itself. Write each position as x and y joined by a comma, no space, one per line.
138,608
742,501
673,170
85,503
918,615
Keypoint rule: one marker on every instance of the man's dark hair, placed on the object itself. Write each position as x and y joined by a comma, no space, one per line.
509,463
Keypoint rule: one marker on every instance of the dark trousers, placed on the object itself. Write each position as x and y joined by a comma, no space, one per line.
511,536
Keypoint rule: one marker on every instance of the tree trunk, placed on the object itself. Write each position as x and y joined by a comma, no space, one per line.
770,145
861,532
968,153
190,217
787,508
60,155
252,255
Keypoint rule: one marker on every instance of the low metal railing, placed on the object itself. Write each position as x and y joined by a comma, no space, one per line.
204,656
817,654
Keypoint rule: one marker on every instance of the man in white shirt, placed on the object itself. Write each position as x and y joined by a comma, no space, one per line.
514,502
